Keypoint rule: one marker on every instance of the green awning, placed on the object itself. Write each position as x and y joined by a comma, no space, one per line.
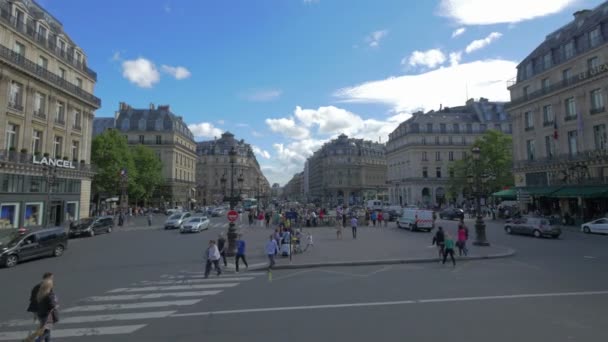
582,191
541,191
508,193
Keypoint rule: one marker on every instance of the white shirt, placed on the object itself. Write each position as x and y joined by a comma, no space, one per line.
213,253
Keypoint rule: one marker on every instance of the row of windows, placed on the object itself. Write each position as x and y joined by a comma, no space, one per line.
425,172
599,138
12,183
12,139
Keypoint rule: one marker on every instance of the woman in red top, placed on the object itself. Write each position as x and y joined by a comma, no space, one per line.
380,218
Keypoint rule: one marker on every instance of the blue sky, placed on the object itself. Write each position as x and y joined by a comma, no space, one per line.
287,75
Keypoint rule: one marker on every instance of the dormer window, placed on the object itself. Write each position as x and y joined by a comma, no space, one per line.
595,37
569,49
125,125
142,124
20,16
42,32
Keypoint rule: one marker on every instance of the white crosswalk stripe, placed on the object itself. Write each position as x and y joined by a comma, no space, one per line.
141,303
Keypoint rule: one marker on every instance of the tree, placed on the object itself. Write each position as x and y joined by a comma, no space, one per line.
495,164
110,153
149,172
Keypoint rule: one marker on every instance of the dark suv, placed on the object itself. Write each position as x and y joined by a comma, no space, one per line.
19,245
451,213
91,226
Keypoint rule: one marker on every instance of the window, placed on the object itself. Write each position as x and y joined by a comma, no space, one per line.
424,156
547,60
451,172
437,140
39,103
597,101
442,128
525,91
58,146
570,104
12,135
469,128
456,128
78,58
529,70
42,31
62,73
599,136
61,46
423,140
60,113
497,127
75,149
545,83
593,63
437,156
566,74
595,37
19,49
37,141
43,62
569,50
16,96
572,143
548,115
77,119
425,172
530,149
159,140
79,82
550,146
429,127
438,172
451,156
141,139
20,16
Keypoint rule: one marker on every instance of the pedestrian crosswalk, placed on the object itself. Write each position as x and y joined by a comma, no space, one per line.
136,305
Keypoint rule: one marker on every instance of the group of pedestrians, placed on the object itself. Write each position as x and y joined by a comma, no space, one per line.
216,251
445,243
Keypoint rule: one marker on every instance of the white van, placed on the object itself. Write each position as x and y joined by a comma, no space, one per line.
416,219
374,205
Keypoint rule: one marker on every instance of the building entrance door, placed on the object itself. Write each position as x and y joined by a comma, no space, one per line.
56,218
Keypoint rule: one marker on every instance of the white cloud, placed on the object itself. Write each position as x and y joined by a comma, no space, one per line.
455,57
486,12
445,86
263,95
457,32
205,130
141,72
116,56
374,38
178,72
256,134
430,58
220,122
241,124
287,127
260,152
481,43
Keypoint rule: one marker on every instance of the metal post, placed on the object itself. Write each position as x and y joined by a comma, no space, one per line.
232,235
51,177
480,227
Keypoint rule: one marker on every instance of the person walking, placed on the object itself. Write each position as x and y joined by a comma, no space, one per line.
45,308
463,236
374,217
149,218
240,253
213,259
271,250
380,218
221,246
250,217
353,224
339,227
439,241
449,249
309,242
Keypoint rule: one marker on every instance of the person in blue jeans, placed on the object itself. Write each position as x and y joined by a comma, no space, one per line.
353,224
271,249
240,252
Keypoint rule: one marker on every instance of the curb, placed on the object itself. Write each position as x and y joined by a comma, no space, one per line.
509,253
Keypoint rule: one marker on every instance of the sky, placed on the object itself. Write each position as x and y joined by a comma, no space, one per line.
289,75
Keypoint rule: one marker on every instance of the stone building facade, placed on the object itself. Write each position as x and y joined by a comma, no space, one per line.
421,149
47,101
558,106
293,191
347,171
215,173
169,137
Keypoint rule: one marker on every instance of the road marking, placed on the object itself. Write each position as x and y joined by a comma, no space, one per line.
224,276
292,275
589,257
399,302
58,333
189,281
151,296
144,305
173,287
95,318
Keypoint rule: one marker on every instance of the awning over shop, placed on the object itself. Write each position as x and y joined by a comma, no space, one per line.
541,191
582,191
506,194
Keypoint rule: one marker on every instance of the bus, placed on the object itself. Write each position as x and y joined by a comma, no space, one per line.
249,203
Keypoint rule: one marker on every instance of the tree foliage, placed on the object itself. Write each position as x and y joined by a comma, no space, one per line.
149,172
110,153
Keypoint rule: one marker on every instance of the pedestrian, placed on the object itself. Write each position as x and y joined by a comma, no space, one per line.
240,253
261,218
221,246
33,307
250,217
374,217
309,242
267,217
339,227
45,307
353,224
313,215
449,249
213,259
463,235
439,241
380,218
271,250
149,218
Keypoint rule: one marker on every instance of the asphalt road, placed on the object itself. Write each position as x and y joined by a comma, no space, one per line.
145,285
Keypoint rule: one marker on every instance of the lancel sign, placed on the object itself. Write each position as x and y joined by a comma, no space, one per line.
66,164
593,71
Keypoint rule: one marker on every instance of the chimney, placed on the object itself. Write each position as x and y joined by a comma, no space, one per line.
122,106
581,14
151,106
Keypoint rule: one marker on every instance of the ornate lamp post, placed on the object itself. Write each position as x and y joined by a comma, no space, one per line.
50,173
475,182
233,200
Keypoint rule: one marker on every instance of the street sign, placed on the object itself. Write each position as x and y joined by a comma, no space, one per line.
232,215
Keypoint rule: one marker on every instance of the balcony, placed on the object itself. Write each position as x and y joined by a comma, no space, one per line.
39,115
561,158
531,128
15,106
60,121
570,117
597,110
77,126
548,123
30,31
32,68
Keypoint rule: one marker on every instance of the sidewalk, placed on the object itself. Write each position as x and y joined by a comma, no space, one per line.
373,246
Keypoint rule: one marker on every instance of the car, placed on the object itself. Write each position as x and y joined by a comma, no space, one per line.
451,213
195,225
596,226
20,245
91,226
416,219
218,212
535,226
175,221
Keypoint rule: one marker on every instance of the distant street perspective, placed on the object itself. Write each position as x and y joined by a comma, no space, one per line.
303,170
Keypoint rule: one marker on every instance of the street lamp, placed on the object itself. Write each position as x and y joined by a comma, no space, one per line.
50,173
480,227
233,200
124,182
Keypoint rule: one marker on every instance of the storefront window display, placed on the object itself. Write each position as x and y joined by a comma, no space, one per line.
71,211
9,213
33,214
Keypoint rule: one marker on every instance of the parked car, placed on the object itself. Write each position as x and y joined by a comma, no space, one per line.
596,226
416,219
195,225
20,245
451,213
175,221
394,214
218,212
91,226
536,226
